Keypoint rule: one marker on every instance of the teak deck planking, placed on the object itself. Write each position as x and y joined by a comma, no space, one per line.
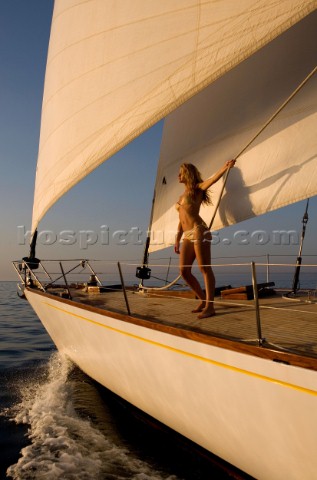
289,328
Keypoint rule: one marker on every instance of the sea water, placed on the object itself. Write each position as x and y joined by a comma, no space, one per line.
56,423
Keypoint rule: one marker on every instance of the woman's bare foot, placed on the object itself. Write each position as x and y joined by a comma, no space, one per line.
200,307
207,312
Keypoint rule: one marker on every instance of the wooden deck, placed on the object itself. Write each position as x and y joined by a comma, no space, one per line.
286,325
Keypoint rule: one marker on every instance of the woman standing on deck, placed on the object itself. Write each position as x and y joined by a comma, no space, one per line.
196,236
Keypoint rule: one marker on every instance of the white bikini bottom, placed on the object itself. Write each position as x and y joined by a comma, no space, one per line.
191,234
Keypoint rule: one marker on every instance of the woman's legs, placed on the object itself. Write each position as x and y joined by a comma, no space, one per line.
203,255
187,257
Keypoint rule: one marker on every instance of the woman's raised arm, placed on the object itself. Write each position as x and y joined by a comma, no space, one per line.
210,181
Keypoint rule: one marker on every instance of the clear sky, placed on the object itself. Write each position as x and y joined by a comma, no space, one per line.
118,194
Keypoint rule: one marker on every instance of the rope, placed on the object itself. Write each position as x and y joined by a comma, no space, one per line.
220,197
292,95
165,287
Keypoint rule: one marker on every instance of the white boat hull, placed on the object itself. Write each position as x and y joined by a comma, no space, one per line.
254,413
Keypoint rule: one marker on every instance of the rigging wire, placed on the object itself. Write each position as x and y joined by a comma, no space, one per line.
280,108
293,294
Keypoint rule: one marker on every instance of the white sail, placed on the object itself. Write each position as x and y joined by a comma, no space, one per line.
279,167
116,67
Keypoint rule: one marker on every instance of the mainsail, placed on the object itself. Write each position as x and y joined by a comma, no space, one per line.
115,68
279,167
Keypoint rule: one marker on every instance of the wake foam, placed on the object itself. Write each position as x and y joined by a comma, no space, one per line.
63,445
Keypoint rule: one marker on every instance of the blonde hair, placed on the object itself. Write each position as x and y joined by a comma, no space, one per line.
192,177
